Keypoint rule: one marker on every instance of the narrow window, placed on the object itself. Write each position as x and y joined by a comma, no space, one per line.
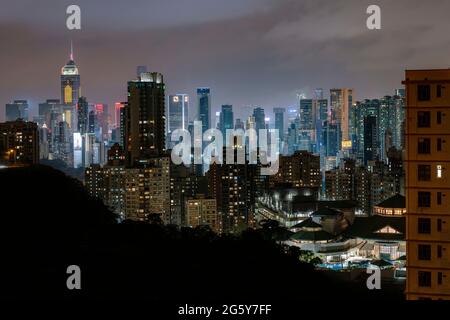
423,93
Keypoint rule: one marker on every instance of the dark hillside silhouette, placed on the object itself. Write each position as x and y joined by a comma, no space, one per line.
49,222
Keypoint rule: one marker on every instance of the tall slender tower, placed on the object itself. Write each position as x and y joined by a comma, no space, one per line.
177,115
341,100
145,134
279,122
259,115
204,107
427,164
226,118
70,87
82,109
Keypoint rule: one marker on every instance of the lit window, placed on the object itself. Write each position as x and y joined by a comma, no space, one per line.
439,171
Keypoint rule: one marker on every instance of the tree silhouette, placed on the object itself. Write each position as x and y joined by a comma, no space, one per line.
49,222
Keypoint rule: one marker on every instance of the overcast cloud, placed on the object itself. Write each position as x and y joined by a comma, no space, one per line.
249,52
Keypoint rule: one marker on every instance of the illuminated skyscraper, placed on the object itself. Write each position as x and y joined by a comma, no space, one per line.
63,144
177,115
226,119
364,109
306,114
45,110
145,128
204,107
118,106
389,115
82,109
102,112
233,186
260,119
371,142
321,116
292,114
70,90
341,100
427,164
18,109
330,138
321,109
307,123
203,115
70,82
123,125
279,120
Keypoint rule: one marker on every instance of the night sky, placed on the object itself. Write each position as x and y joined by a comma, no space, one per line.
250,52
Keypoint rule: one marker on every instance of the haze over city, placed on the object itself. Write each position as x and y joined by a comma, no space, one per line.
251,53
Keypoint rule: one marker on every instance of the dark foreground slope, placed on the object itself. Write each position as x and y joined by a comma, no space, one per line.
48,222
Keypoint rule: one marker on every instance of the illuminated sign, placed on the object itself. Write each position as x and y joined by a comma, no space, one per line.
68,94
99,108
346,144
77,142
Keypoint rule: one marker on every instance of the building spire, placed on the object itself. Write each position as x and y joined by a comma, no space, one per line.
71,50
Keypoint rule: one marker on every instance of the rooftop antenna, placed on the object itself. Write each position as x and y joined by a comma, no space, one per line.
71,50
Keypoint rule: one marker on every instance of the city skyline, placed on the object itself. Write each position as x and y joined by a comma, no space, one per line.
303,142
284,50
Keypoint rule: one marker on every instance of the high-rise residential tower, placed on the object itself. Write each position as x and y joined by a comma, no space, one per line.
371,142
341,100
427,165
145,128
306,114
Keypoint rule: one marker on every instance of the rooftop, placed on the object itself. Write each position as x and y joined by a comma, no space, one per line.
308,223
378,228
313,236
326,212
396,202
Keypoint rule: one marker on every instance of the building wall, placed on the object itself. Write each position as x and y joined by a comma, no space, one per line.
202,212
148,191
133,193
302,169
19,143
435,214
145,129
